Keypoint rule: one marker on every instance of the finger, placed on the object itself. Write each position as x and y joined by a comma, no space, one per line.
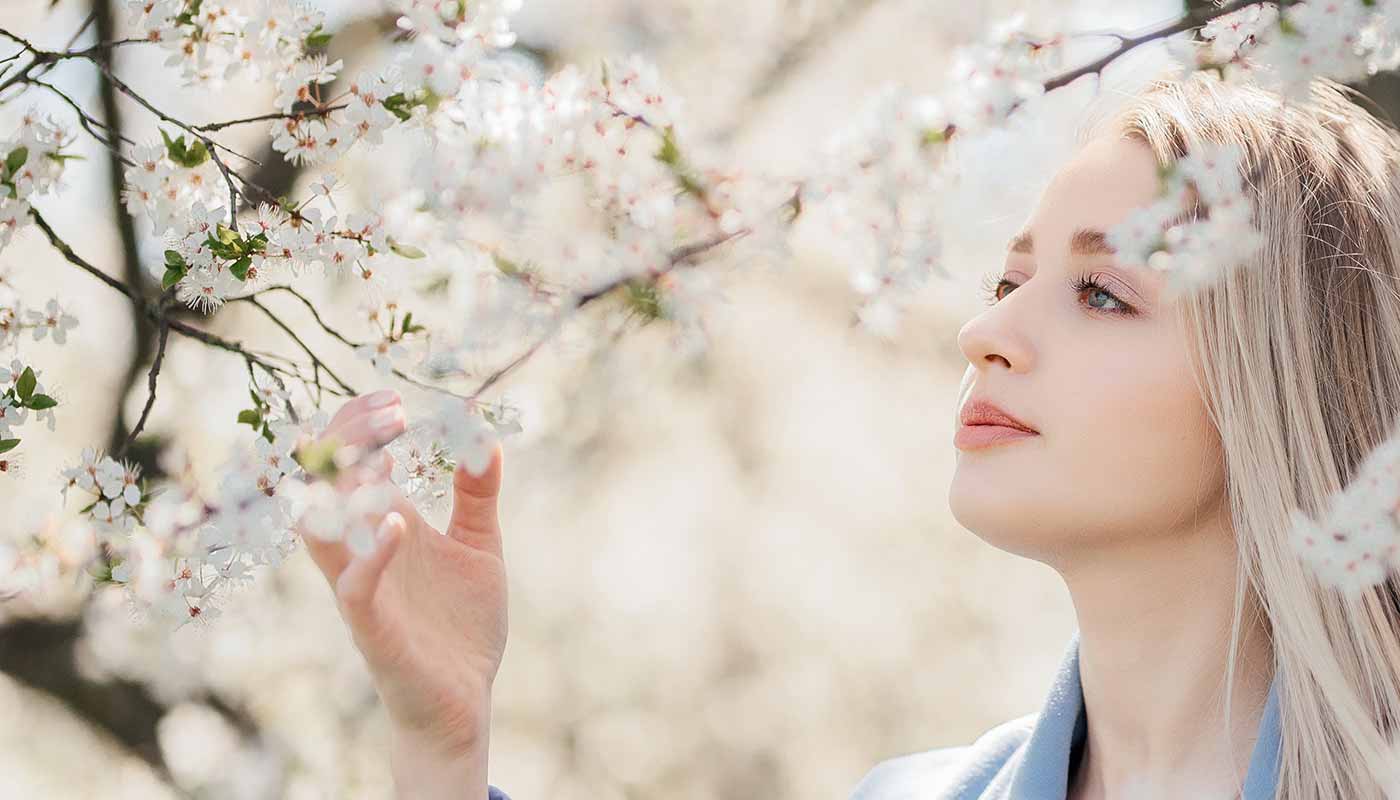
331,557
358,583
474,504
372,430
358,406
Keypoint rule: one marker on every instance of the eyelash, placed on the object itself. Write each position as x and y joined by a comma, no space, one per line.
992,283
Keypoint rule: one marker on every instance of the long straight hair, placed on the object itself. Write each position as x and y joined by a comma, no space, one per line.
1298,359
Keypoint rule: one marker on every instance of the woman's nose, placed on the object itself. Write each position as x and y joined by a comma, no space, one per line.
997,337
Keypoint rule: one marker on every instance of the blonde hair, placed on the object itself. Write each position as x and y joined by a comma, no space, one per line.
1298,355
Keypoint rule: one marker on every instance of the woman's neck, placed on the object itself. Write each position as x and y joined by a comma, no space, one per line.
1154,623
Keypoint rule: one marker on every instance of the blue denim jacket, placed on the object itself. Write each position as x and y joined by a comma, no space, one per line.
1028,758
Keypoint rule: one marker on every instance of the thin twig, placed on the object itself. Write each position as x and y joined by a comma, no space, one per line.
316,362
315,112
309,307
88,123
150,386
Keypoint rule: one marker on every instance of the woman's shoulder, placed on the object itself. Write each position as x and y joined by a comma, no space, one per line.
947,773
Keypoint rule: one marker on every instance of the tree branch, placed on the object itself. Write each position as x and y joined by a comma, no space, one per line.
41,654
150,386
132,274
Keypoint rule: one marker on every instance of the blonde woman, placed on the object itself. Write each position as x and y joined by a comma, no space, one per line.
1149,449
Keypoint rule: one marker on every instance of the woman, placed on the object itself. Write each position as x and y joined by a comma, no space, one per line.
1165,441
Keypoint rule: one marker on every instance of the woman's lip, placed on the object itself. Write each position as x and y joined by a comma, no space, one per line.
976,437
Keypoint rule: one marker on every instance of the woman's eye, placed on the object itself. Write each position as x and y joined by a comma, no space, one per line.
1101,299
992,288
1097,294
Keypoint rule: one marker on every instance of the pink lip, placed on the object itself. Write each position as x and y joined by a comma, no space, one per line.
976,437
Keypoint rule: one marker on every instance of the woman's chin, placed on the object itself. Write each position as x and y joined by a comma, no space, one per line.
997,514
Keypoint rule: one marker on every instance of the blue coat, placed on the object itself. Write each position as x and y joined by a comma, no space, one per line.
1028,758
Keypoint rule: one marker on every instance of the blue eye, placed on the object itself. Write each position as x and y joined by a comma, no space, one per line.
1096,290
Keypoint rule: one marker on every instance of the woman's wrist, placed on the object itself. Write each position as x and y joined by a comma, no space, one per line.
426,767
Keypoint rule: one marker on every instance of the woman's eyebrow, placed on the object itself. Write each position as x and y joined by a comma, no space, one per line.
1084,242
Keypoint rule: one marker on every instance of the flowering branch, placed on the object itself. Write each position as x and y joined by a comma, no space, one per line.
153,311
1194,18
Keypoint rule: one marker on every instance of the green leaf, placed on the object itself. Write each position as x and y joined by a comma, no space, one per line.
250,416
505,265
257,401
174,148
318,458
398,105
644,298
26,384
240,267
174,259
102,572
6,445
408,326
191,155
16,159
172,276
405,250
221,249
196,154
670,152
226,234
670,155
62,157
39,402
267,434
317,39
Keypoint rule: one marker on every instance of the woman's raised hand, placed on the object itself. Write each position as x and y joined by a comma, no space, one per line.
426,609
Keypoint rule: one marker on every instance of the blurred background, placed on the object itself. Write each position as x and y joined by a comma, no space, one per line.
731,577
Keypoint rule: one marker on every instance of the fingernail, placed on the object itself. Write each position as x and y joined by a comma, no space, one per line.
381,399
385,420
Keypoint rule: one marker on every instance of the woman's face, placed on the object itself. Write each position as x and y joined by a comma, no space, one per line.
1125,448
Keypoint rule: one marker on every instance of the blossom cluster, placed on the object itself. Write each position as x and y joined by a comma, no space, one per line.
116,485
877,196
1356,542
447,60
211,41
33,163
212,255
611,135
1200,227
20,393
1284,49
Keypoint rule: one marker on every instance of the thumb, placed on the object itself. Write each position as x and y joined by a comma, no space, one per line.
474,520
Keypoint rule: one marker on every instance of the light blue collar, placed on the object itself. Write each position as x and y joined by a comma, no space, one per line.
1043,773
